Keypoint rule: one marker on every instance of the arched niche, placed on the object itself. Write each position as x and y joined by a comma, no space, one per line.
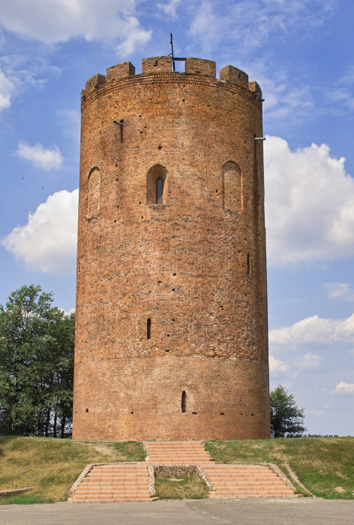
94,193
156,185
232,186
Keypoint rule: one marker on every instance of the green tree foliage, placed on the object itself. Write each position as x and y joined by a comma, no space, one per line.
285,416
36,365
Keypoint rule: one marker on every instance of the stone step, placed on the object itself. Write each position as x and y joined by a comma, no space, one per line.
249,494
122,483
228,477
129,482
116,475
255,484
95,492
112,499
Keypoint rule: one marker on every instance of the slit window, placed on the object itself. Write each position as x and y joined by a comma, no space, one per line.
248,265
159,190
156,185
184,402
148,329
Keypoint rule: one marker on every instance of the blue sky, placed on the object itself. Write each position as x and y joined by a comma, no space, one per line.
301,53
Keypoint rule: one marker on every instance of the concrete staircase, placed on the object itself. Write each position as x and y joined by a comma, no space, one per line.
130,481
177,453
246,481
229,481
107,483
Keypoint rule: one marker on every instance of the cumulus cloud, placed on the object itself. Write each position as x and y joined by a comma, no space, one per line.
339,291
309,361
251,24
276,366
309,204
169,9
344,388
315,331
6,90
47,243
53,21
71,311
315,412
40,157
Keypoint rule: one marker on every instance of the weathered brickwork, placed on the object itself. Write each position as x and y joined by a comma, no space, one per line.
171,297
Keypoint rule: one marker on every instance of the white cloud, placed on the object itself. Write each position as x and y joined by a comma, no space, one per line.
276,366
250,24
309,360
47,243
344,388
342,93
339,291
309,204
135,37
69,121
314,330
316,412
169,9
71,311
6,90
40,157
53,21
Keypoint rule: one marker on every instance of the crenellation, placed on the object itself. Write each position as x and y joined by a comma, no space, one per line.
95,81
254,87
201,66
157,65
234,75
125,69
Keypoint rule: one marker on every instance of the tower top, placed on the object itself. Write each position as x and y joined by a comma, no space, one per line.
164,65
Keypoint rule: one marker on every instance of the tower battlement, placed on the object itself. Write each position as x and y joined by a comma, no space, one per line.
163,64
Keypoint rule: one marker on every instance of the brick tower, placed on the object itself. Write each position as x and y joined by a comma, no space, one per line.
171,330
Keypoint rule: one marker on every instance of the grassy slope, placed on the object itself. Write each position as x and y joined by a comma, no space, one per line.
52,465
321,464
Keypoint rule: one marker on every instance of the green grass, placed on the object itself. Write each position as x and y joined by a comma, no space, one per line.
190,487
130,449
321,464
52,465
26,500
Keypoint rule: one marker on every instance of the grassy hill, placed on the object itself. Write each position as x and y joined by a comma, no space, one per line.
52,465
317,465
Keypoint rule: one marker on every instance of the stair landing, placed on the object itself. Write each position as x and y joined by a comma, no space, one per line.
177,453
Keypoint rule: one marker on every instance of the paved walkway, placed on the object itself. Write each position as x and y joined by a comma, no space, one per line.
302,511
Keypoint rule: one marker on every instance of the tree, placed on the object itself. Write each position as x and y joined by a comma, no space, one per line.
36,365
285,416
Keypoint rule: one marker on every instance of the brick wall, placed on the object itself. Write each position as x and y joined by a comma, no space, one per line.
194,265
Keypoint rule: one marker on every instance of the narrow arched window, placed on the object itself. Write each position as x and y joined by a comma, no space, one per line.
93,190
148,330
159,190
184,402
156,184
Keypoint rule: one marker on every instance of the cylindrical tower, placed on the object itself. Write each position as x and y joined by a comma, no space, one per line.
171,326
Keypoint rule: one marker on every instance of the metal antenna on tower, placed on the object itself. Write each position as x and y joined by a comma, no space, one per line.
173,56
